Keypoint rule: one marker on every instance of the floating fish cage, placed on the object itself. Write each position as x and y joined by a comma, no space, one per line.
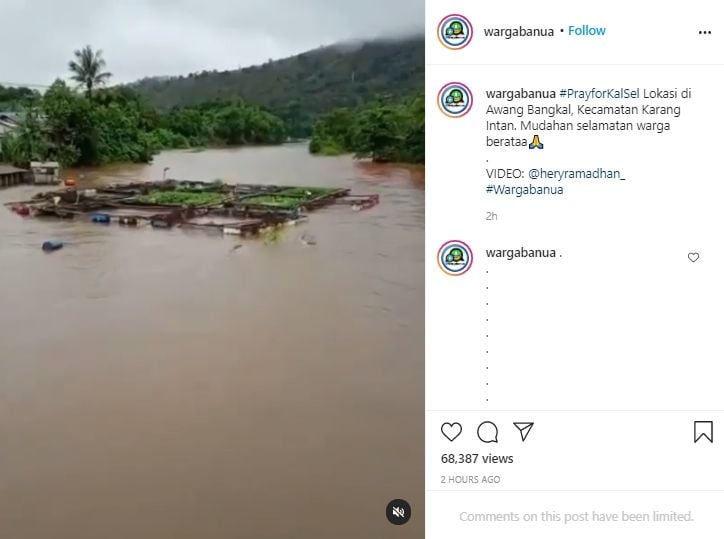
242,209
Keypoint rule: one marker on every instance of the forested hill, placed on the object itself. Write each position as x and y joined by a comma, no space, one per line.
301,88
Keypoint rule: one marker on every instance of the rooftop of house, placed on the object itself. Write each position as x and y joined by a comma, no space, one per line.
10,116
9,169
44,164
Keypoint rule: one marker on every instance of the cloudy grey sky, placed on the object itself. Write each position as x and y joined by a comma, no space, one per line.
171,37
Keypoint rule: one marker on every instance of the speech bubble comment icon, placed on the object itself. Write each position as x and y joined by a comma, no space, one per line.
488,432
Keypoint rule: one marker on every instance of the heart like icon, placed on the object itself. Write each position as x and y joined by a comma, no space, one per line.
693,257
451,430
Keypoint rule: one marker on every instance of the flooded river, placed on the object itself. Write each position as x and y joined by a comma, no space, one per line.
159,384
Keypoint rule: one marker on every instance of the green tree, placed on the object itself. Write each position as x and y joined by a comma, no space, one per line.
33,145
413,143
296,119
231,125
16,99
117,124
69,125
382,131
376,133
191,123
27,143
88,69
332,134
302,88
10,150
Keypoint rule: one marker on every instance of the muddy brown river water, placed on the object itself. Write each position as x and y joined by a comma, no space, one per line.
159,384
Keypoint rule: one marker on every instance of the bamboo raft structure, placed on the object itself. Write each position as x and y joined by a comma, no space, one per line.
241,209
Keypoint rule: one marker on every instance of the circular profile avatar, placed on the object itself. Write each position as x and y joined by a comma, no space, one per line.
454,32
455,100
455,257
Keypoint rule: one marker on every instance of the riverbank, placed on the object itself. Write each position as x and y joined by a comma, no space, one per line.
339,152
110,125
386,132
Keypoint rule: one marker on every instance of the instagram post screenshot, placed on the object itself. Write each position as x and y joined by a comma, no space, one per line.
293,269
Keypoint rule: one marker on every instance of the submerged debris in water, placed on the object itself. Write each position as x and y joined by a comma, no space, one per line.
307,239
272,234
52,245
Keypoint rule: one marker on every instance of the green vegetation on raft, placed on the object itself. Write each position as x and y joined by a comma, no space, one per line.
306,193
182,197
274,201
289,199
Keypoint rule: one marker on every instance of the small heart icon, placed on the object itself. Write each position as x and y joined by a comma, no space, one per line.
451,430
693,257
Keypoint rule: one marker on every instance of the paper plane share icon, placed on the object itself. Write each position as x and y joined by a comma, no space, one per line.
524,429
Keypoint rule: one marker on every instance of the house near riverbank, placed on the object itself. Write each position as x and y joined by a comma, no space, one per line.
10,176
45,172
9,121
